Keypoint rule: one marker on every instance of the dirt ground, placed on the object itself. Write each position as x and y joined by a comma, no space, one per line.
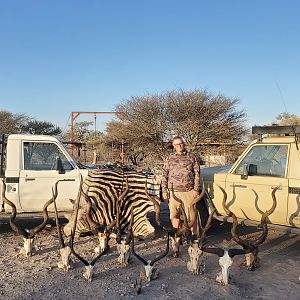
38,277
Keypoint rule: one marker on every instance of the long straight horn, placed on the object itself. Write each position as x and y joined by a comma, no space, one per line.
54,194
123,194
145,263
153,261
155,203
94,226
118,211
76,205
129,235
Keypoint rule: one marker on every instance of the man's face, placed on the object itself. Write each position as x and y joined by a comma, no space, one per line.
179,146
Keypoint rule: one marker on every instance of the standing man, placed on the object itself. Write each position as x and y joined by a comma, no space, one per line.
182,172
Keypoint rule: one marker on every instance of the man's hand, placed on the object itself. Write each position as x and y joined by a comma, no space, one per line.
195,194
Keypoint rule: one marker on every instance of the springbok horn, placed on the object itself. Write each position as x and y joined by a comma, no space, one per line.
153,261
155,203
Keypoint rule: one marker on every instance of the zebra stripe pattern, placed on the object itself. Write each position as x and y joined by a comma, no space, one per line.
104,187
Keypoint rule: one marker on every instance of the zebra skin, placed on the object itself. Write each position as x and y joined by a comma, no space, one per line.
104,187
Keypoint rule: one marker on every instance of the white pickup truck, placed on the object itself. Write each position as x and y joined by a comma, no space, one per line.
30,166
271,160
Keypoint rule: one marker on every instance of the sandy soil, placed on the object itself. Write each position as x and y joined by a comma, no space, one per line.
38,277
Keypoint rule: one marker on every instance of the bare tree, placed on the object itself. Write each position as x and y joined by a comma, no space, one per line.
203,118
287,119
40,127
12,123
152,120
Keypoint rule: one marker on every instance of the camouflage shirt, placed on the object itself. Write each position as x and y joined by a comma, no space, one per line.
181,170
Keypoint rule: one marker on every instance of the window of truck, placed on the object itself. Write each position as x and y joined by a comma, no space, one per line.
264,160
42,156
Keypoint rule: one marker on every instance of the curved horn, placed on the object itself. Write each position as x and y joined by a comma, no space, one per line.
12,218
207,227
153,261
264,234
187,225
155,203
216,251
200,197
32,232
271,210
235,237
224,201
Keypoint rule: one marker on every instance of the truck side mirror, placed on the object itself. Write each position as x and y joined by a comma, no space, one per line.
59,166
245,172
252,170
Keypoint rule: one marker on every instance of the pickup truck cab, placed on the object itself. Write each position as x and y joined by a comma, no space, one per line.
272,160
30,166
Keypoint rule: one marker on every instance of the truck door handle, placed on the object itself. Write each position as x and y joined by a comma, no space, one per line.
238,186
29,179
273,187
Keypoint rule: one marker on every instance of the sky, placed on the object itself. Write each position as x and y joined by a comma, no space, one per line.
61,56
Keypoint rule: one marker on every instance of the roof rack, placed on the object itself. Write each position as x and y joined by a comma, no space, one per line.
276,129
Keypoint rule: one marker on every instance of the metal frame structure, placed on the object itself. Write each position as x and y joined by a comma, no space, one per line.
76,114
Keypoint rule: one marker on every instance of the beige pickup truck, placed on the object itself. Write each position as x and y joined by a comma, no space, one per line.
271,160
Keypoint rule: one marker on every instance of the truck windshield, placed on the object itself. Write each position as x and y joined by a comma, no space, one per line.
42,156
265,160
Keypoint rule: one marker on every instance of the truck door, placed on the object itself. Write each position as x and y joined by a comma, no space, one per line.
250,184
38,175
